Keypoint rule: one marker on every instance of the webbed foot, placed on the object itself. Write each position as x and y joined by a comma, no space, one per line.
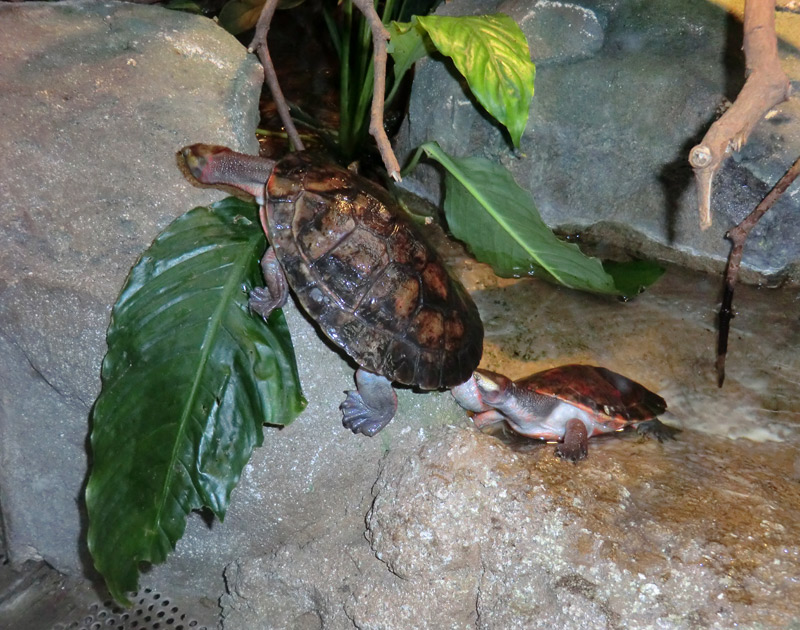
264,300
371,407
657,429
575,446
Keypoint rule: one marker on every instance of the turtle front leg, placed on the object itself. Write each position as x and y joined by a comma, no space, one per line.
371,407
264,300
575,446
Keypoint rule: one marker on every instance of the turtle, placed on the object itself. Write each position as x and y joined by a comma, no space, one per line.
569,404
361,270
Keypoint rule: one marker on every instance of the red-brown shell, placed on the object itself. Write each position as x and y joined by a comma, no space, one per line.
611,397
368,277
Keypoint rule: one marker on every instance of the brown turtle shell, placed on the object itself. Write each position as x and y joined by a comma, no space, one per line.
362,270
612,398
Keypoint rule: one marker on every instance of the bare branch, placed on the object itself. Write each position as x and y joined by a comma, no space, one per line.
765,87
738,236
259,45
379,38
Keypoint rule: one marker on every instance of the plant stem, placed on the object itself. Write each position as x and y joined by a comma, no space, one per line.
345,113
259,45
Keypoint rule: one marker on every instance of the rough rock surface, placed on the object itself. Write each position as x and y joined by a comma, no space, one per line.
624,89
692,533
471,533
95,100
476,531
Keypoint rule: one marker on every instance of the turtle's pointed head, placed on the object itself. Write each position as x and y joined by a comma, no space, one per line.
198,161
494,388
482,391
213,165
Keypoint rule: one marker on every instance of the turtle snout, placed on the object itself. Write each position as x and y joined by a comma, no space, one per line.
468,395
493,387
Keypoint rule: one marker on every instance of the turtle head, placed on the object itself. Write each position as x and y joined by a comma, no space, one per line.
483,391
217,166
494,388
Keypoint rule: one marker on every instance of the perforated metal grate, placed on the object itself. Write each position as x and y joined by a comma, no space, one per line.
151,611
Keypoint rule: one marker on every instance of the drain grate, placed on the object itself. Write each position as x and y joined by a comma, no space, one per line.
151,611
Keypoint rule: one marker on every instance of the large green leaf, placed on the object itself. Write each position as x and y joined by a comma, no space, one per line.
492,54
238,16
408,44
500,224
189,379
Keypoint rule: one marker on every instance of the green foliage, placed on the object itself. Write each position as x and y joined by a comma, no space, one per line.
189,379
238,16
500,224
408,44
492,54
352,40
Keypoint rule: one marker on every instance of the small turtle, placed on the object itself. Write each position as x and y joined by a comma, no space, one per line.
360,269
569,403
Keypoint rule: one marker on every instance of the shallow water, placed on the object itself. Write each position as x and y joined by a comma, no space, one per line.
665,339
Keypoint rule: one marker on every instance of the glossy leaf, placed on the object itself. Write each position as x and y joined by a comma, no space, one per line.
189,379
492,54
500,224
408,44
631,278
238,16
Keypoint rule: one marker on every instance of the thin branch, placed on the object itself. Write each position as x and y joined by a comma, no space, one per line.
259,45
766,86
738,236
379,38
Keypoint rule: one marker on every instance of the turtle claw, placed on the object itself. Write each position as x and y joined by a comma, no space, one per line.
657,429
261,302
264,300
575,446
371,407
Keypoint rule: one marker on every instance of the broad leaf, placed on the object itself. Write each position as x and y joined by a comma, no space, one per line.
238,16
189,379
184,5
631,278
408,44
492,54
499,222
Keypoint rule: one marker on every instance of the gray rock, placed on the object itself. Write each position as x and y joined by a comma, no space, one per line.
462,530
468,530
96,100
470,533
559,32
623,90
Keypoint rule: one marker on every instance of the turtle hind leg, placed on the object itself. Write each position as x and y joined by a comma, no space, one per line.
370,408
657,429
575,446
264,300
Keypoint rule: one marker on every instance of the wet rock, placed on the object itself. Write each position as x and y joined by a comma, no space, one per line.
471,532
559,32
97,99
623,90
624,540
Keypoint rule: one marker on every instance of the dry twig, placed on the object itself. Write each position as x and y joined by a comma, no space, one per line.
738,236
765,87
379,38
